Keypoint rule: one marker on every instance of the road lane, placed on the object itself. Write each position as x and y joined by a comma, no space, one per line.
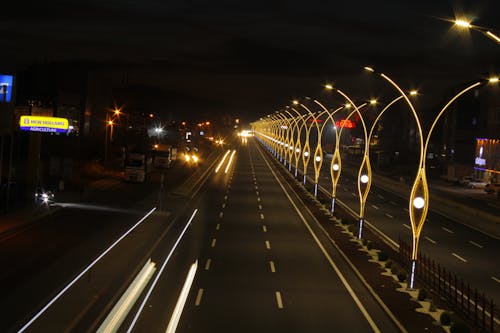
265,272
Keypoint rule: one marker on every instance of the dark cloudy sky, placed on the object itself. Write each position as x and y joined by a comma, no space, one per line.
252,57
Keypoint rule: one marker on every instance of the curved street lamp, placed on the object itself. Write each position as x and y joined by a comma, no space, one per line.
419,195
466,24
365,170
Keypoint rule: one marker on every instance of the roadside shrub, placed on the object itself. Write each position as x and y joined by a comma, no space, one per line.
459,327
394,269
445,318
344,222
422,294
388,264
401,275
369,245
382,256
364,241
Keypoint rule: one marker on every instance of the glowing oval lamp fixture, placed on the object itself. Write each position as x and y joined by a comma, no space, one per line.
335,167
318,158
418,202
306,153
364,179
286,145
297,150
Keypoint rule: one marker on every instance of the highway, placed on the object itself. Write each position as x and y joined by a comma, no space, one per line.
469,253
262,266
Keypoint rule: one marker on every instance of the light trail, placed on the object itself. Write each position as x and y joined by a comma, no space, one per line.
155,281
222,161
230,161
55,298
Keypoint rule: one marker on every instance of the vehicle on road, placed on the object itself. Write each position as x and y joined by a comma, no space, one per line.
137,167
164,155
43,196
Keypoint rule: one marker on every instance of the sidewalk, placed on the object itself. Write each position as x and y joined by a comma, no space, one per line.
32,211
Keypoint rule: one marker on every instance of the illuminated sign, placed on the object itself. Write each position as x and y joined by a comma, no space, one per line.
44,124
346,123
6,87
480,161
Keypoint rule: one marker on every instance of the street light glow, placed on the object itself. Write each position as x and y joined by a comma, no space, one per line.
493,79
329,86
295,102
373,101
297,150
306,153
463,23
335,167
318,158
413,93
418,202
369,69
364,179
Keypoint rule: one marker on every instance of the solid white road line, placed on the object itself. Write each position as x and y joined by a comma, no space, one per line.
198,297
430,240
447,230
268,245
176,315
273,268
279,302
476,244
459,257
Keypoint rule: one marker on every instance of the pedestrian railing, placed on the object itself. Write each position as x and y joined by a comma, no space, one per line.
460,296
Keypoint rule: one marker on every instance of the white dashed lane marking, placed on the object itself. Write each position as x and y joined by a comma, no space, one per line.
389,215
374,206
279,301
430,240
213,242
217,227
261,216
273,268
221,214
476,244
198,297
459,257
268,245
495,279
207,265
264,228
407,226
447,230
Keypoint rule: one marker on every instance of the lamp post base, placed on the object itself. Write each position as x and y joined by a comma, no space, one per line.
304,181
333,204
411,282
360,230
315,189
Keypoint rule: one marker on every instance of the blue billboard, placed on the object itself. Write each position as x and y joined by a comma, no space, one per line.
6,82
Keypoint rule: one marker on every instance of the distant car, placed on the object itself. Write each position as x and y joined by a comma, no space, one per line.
492,188
44,196
473,184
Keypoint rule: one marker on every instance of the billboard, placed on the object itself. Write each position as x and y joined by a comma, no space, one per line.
44,124
6,82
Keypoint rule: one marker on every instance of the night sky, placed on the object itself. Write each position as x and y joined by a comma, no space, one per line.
251,58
